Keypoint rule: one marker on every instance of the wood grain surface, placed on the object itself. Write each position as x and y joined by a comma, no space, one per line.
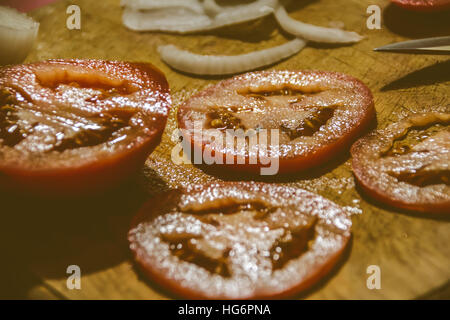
42,237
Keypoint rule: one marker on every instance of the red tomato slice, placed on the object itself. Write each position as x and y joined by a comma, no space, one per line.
423,5
74,126
407,164
317,115
238,240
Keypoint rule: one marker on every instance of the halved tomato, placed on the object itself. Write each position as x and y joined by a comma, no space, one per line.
315,115
73,126
423,5
407,164
238,240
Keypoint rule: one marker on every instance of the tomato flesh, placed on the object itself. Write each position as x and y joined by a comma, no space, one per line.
316,115
423,5
238,240
406,164
75,126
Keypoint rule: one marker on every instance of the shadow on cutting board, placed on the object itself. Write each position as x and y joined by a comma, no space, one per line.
436,73
416,25
45,236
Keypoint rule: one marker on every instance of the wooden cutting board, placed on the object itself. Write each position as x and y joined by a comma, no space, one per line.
412,251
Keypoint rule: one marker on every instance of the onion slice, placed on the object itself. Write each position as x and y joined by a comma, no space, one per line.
312,32
221,65
17,35
192,5
211,7
175,19
185,20
245,12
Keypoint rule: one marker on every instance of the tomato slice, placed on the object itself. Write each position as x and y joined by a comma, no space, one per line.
423,5
406,165
74,126
316,115
238,240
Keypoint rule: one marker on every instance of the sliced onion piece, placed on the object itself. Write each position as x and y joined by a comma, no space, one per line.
17,35
175,19
244,13
220,65
193,5
185,20
211,7
336,24
312,32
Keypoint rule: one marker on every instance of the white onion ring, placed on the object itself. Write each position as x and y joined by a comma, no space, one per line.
245,12
175,19
211,7
193,5
221,65
17,35
312,32
184,20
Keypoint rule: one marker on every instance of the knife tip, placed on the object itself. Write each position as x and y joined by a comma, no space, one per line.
382,49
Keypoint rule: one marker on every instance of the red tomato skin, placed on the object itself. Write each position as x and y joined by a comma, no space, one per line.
379,195
94,176
172,286
423,6
361,151
300,163
292,165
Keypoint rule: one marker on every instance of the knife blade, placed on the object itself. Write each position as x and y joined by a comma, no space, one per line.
436,45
